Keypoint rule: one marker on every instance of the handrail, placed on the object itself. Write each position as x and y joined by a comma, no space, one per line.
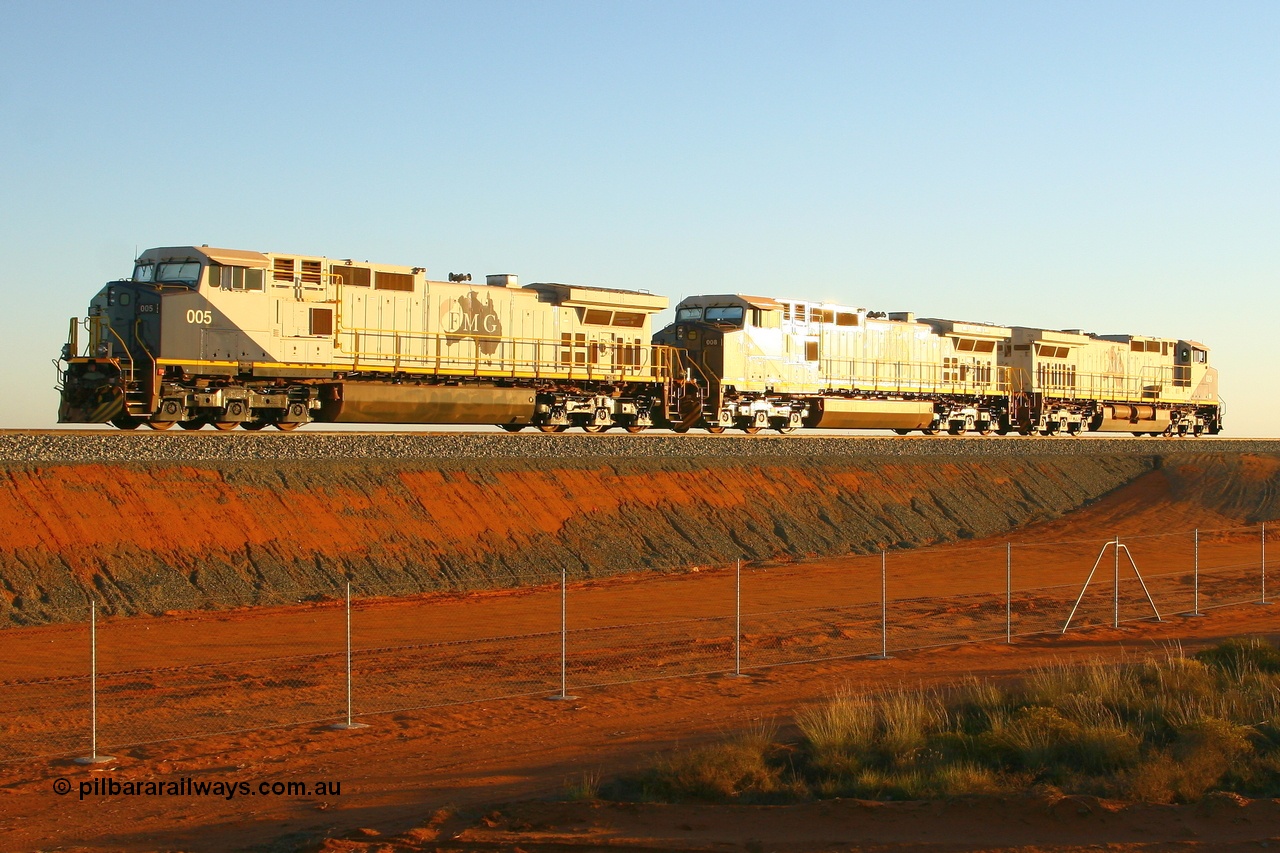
856,374
517,357
1151,385
138,337
128,356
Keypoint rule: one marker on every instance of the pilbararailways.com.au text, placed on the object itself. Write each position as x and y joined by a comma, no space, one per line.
188,787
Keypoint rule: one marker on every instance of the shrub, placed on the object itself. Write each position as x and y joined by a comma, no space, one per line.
1202,754
1161,730
1240,655
734,770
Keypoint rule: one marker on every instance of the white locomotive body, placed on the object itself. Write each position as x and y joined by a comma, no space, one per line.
1072,382
784,363
200,335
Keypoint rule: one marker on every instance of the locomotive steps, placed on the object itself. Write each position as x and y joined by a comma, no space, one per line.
150,522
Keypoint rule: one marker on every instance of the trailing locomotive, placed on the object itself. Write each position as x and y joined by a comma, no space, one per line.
786,363
200,336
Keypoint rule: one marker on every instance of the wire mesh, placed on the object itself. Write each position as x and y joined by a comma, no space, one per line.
284,662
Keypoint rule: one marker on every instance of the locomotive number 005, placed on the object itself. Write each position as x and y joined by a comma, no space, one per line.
202,318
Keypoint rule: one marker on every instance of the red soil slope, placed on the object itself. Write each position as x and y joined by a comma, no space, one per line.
150,538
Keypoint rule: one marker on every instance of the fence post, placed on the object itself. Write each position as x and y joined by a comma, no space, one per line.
737,620
564,641
884,612
349,724
1008,593
1196,564
93,757
1264,564
1115,592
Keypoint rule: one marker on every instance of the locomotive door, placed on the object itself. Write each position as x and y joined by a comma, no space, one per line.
529,355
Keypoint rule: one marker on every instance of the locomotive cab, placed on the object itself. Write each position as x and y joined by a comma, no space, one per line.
111,373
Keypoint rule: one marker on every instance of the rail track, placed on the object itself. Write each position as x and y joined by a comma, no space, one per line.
93,445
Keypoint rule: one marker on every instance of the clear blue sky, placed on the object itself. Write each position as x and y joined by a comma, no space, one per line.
1107,166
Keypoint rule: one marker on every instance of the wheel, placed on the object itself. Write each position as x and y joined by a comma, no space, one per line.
956,430
125,422
786,429
193,424
680,428
552,428
287,426
160,425
225,426
254,426
1139,434
930,431
596,429
633,429
902,431
986,431
751,430
715,429
512,427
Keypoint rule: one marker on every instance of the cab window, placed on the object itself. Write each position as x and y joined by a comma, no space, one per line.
731,314
689,314
183,272
144,272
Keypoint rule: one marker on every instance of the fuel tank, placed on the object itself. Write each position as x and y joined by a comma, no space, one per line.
376,402
1133,417
839,413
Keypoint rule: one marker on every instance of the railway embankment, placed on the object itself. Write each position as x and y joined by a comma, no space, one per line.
149,523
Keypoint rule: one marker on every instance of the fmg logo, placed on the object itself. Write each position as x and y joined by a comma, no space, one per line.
469,317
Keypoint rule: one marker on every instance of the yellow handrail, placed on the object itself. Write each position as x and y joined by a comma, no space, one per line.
372,349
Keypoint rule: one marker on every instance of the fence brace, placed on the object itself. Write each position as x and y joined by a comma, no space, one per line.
1115,592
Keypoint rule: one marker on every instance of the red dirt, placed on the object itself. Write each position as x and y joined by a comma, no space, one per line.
150,538
398,774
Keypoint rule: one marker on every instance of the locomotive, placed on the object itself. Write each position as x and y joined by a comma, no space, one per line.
239,339
783,363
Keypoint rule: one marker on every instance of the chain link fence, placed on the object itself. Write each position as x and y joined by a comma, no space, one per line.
85,688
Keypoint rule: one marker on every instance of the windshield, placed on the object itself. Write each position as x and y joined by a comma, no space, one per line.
184,272
732,314
144,272
689,314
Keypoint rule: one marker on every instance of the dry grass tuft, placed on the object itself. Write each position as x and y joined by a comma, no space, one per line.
1163,729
